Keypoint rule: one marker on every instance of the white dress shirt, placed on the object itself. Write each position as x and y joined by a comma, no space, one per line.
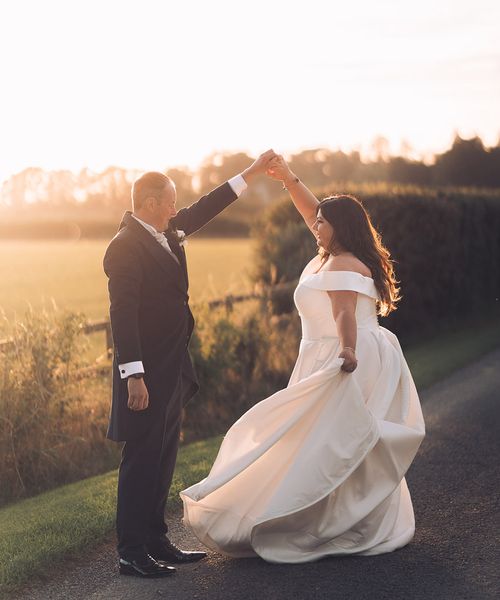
159,237
238,185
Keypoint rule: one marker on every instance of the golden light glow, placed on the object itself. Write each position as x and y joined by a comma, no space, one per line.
151,84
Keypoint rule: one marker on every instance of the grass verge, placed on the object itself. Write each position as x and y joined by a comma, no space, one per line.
60,523
436,358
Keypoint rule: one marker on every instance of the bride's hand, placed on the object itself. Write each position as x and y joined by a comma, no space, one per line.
279,169
259,165
350,362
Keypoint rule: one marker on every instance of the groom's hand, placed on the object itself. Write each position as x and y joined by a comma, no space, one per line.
259,166
138,396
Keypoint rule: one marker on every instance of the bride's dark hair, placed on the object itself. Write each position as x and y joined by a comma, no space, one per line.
353,231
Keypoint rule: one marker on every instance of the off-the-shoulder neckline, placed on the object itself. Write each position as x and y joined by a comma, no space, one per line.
336,271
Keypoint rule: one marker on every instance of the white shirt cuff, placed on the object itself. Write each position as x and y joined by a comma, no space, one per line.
238,184
130,368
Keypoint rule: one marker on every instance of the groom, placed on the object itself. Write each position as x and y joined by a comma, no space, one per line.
152,371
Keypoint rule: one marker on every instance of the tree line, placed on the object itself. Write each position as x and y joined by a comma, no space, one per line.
468,162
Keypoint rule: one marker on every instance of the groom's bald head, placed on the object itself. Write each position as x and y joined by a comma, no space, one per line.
149,185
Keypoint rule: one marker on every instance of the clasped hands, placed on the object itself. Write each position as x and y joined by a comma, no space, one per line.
271,164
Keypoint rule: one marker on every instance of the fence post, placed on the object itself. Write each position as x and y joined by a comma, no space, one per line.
228,302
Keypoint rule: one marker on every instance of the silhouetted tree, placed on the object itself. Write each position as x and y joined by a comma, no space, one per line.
218,168
466,163
401,170
183,180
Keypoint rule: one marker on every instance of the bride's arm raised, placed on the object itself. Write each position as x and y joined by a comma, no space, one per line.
305,201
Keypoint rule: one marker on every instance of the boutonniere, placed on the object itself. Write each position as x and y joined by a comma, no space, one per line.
176,235
181,237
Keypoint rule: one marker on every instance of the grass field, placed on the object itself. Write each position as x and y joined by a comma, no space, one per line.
70,274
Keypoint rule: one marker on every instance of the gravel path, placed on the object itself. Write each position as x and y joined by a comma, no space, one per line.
454,483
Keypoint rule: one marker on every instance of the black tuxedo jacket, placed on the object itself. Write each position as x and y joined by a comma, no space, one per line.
150,316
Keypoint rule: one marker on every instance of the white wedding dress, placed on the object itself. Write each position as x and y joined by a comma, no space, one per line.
317,469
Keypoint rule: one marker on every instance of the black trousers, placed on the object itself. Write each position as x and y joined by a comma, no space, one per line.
144,478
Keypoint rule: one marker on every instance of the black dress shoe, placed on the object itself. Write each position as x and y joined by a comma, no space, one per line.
165,550
145,567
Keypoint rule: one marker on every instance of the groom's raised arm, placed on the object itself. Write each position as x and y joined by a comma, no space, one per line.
194,217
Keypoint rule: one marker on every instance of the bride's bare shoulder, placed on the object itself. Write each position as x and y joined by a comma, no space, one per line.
347,262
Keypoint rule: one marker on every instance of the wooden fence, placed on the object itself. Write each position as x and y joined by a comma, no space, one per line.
227,302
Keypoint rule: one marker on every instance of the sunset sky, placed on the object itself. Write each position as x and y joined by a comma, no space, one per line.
152,84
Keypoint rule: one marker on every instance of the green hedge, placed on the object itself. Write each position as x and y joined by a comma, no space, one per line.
240,357
446,244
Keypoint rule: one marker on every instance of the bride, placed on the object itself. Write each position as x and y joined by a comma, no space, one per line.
318,468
